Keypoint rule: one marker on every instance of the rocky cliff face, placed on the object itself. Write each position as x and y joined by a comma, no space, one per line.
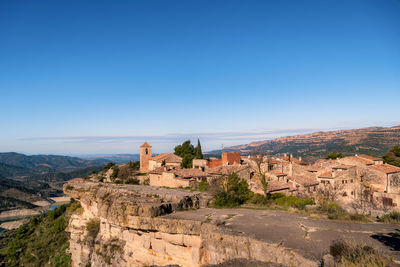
123,225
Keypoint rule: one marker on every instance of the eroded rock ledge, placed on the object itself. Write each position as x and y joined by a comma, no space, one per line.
133,232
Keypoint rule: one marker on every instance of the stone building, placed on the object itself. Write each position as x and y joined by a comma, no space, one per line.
145,155
148,162
227,159
176,177
164,159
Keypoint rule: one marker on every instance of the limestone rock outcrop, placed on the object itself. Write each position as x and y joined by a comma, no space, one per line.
123,225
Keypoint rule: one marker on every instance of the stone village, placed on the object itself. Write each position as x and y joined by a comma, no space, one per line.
359,182
165,223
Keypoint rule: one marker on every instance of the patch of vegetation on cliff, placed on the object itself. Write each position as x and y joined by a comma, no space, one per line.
42,241
93,227
280,201
231,192
347,254
393,217
121,174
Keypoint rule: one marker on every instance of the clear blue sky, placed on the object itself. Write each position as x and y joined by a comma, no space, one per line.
82,77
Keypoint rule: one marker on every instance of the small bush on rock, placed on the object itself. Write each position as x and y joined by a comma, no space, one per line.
93,227
393,217
233,192
348,254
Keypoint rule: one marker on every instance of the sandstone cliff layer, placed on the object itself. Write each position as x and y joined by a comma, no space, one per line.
123,225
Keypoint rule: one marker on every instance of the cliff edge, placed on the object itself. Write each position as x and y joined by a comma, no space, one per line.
127,225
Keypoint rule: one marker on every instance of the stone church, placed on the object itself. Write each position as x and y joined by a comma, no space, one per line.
148,162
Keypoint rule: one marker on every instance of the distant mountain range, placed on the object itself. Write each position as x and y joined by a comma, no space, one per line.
373,140
116,158
26,179
15,164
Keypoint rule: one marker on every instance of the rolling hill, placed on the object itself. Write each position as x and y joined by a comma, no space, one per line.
15,164
372,140
27,179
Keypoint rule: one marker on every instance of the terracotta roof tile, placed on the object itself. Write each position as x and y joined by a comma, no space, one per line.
369,157
277,185
168,157
386,168
277,173
227,169
343,166
304,180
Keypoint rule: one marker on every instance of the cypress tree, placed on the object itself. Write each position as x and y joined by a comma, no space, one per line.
198,152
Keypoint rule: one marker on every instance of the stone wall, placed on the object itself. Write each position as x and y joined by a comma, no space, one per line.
168,179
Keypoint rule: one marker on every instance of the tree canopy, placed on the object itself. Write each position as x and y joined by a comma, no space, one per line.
188,152
197,150
393,156
335,155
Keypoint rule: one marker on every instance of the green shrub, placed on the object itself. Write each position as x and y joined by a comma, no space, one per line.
115,172
358,217
132,181
335,211
292,201
393,217
108,166
93,227
203,186
233,193
279,200
42,241
335,155
347,254
258,199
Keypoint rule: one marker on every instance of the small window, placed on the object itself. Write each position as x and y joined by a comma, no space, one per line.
147,151
351,181
342,181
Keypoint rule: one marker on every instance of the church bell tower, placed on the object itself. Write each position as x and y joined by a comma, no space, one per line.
145,155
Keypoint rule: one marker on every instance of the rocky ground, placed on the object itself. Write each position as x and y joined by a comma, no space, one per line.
144,225
307,236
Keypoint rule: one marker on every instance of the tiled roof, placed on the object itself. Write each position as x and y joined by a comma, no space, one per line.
304,180
168,157
343,166
369,157
360,160
277,173
145,144
327,174
227,169
277,185
313,168
386,168
273,161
